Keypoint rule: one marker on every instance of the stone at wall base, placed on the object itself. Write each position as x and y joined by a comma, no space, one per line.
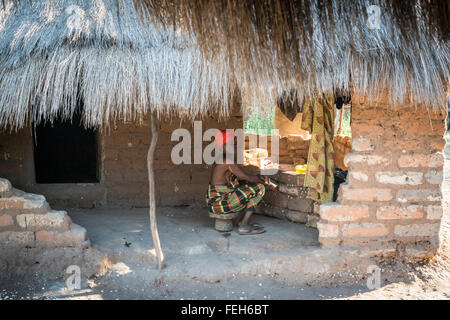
297,216
312,220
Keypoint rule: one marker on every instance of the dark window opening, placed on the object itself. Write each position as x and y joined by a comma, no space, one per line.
65,152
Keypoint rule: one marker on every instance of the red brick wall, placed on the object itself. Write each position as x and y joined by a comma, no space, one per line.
393,198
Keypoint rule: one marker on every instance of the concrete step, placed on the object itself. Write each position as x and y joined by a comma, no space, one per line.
16,239
26,220
16,192
5,187
12,192
51,221
75,237
18,201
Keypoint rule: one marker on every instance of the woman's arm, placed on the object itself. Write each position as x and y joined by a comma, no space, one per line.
242,175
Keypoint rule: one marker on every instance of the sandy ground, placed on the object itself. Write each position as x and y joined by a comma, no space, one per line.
138,280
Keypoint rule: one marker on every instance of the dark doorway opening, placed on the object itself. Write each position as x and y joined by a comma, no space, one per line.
65,152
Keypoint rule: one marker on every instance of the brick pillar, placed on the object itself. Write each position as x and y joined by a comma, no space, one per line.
392,200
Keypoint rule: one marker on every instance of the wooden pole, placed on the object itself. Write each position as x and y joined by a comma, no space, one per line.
151,192
341,117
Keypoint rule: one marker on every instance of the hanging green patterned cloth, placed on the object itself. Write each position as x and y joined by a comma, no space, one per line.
318,119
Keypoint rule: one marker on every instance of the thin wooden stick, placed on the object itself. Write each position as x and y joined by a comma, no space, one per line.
151,193
341,117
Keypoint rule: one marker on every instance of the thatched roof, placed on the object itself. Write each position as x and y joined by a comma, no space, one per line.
55,52
109,53
324,45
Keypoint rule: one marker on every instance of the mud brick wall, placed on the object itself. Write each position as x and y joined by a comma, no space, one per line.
297,147
186,184
392,201
17,165
292,201
124,153
122,167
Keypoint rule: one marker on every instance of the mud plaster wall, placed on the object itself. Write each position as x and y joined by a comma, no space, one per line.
287,127
393,198
292,149
342,145
122,167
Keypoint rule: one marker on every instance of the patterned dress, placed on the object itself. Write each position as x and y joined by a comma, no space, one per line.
318,119
234,196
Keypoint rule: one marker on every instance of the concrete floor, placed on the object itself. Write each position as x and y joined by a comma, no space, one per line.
286,262
187,232
194,249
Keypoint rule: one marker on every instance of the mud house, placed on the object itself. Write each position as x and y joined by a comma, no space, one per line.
82,81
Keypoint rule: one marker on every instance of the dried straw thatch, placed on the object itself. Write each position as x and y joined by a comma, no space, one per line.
323,45
55,52
126,57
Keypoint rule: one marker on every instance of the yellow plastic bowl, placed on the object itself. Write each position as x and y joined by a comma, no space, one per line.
301,168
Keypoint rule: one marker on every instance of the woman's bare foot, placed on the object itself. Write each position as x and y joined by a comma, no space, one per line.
237,221
247,227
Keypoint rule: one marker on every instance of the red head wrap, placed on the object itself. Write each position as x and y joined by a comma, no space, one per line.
223,137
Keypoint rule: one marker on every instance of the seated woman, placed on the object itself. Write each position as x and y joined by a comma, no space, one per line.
232,190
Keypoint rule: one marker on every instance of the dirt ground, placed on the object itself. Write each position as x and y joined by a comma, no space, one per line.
141,281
